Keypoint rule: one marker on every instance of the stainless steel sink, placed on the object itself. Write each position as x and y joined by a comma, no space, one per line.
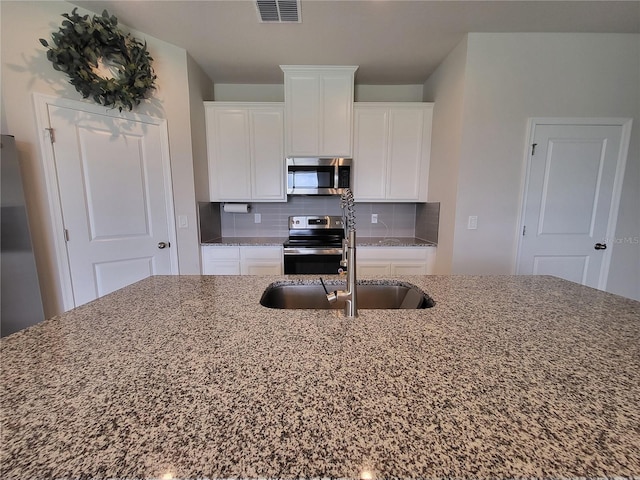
390,295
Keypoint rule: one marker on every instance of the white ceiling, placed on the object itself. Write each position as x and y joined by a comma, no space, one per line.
392,41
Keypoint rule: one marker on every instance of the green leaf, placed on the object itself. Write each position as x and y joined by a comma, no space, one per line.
81,41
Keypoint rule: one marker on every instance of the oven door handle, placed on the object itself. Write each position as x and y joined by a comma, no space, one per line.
312,251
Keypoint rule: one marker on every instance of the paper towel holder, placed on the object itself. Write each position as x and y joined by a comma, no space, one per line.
236,207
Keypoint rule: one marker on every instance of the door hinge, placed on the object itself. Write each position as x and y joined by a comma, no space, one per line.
524,230
533,149
66,235
51,134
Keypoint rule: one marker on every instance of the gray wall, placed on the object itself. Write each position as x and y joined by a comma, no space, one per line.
275,93
446,89
508,78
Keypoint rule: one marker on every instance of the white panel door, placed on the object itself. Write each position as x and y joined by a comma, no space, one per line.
337,112
302,105
405,153
231,175
370,153
114,195
267,154
569,200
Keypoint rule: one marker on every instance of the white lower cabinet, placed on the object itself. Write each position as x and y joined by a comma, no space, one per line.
241,260
261,261
395,260
268,260
220,260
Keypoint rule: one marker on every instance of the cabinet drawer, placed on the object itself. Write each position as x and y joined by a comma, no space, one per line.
392,253
373,268
261,253
210,253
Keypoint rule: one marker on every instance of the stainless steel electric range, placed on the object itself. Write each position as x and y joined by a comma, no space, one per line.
314,245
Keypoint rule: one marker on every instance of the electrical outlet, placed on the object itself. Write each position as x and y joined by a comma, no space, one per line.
472,224
374,218
257,218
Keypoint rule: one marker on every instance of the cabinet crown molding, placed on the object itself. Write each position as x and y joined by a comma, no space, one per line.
319,68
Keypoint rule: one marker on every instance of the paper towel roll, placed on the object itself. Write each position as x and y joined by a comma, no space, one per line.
236,207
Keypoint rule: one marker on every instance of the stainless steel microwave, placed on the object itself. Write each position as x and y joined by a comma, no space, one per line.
318,176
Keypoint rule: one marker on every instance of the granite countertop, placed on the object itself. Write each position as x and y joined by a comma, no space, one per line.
393,242
361,241
190,377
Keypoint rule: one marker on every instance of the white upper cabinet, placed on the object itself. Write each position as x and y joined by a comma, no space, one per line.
246,151
318,110
392,146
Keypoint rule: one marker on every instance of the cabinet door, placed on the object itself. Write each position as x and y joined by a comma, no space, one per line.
221,268
405,153
431,260
261,260
267,154
229,155
302,105
370,153
336,104
220,260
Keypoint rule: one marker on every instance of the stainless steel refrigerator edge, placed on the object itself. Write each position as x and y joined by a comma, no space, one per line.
20,291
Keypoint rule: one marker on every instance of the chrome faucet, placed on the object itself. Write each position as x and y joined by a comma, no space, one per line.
348,257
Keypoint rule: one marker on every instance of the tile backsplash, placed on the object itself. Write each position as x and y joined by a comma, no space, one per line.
394,219
427,221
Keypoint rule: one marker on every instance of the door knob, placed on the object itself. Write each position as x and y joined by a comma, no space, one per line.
600,246
162,245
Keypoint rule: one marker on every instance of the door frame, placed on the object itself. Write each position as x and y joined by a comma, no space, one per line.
533,122
41,105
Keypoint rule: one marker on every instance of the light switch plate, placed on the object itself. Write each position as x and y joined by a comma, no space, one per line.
472,223
374,218
183,222
257,218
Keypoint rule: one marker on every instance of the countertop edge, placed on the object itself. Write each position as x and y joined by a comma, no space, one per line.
278,241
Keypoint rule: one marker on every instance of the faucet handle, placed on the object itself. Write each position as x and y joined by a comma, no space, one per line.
332,297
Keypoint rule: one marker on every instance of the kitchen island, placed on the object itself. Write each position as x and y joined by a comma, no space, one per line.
190,377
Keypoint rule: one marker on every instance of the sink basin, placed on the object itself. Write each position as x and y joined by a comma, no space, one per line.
389,295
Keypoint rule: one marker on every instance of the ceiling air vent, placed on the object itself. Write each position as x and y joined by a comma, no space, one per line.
279,11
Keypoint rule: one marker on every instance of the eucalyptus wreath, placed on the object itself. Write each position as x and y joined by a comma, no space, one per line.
83,45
